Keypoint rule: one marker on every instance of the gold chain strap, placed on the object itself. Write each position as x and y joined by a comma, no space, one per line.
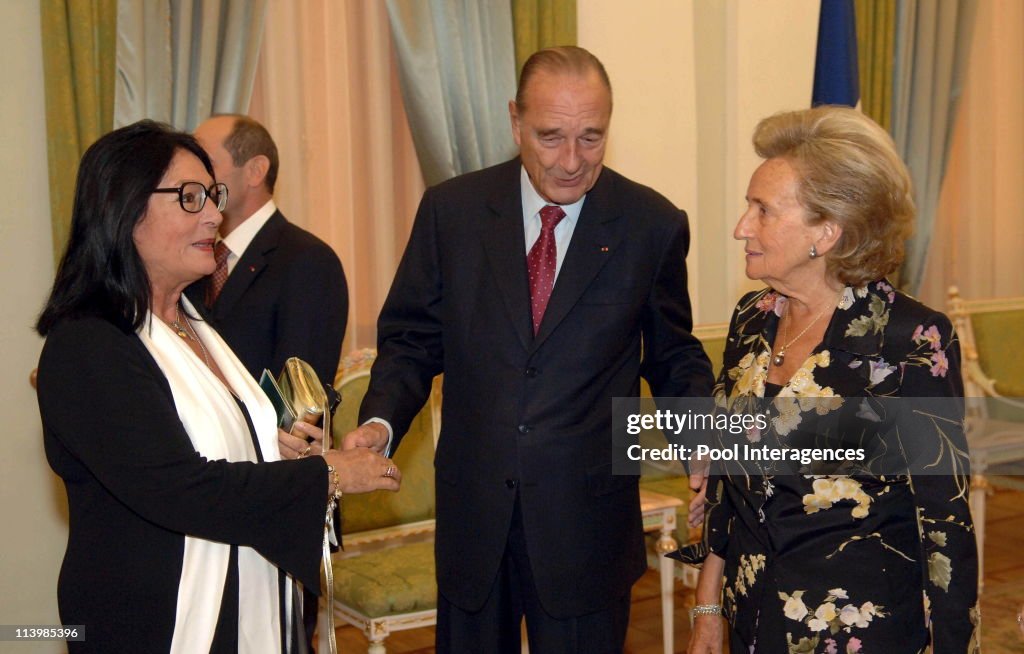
335,502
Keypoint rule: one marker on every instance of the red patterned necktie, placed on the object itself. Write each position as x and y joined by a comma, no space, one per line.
540,263
220,273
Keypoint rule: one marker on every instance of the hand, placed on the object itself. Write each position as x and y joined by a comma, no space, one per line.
372,435
305,440
361,470
706,637
699,485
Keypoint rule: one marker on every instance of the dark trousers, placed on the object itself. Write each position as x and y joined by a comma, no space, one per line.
495,628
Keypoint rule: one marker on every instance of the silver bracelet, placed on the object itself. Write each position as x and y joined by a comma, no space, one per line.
704,609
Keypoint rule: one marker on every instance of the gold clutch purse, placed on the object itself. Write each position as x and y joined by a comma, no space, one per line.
302,391
297,394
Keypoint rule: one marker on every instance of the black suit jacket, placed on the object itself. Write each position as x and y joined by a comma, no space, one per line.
532,415
285,297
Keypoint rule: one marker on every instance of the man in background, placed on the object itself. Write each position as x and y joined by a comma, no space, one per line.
278,291
542,288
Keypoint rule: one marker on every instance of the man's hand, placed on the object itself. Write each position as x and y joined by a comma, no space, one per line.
699,485
372,435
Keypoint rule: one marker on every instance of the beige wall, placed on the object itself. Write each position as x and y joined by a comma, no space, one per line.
691,80
32,502
647,49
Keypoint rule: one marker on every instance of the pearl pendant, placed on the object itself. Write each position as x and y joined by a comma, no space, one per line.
779,358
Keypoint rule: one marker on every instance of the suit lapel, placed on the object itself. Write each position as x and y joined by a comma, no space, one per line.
250,265
597,235
505,244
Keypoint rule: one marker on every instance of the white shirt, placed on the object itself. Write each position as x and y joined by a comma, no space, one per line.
240,238
532,204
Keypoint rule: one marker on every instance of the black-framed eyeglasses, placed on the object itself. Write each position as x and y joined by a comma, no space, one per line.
192,195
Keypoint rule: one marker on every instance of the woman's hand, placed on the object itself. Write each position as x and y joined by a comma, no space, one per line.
307,440
362,470
706,637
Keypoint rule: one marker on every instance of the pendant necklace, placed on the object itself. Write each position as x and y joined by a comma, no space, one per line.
779,357
187,332
178,326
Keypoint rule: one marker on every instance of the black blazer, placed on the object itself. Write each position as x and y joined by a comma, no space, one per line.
136,486
532,415
285,297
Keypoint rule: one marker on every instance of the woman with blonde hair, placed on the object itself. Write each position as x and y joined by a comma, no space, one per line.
872,556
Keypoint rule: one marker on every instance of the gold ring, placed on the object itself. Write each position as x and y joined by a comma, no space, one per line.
390,472
305,452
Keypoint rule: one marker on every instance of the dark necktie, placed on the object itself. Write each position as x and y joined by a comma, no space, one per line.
540,263
220,273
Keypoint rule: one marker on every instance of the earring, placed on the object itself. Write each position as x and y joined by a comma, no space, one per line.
813,253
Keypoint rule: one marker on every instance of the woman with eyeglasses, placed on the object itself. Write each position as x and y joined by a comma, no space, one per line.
185,524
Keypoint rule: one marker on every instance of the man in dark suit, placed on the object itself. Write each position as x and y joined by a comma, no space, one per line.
278,291
542,288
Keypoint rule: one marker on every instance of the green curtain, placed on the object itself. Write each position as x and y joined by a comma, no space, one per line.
178,61
876,39
79,51
540,24
456,64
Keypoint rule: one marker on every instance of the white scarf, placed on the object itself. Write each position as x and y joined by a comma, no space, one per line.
218,430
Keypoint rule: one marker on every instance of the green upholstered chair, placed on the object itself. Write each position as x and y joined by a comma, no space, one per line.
992,346
384,579
995,329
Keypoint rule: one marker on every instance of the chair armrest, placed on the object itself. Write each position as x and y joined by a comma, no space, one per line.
973,370
378,539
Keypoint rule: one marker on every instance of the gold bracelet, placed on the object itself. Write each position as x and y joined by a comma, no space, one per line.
336,480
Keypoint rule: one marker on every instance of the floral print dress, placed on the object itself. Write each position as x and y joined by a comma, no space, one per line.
847,560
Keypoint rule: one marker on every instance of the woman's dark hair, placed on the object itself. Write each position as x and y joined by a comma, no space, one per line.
101,273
